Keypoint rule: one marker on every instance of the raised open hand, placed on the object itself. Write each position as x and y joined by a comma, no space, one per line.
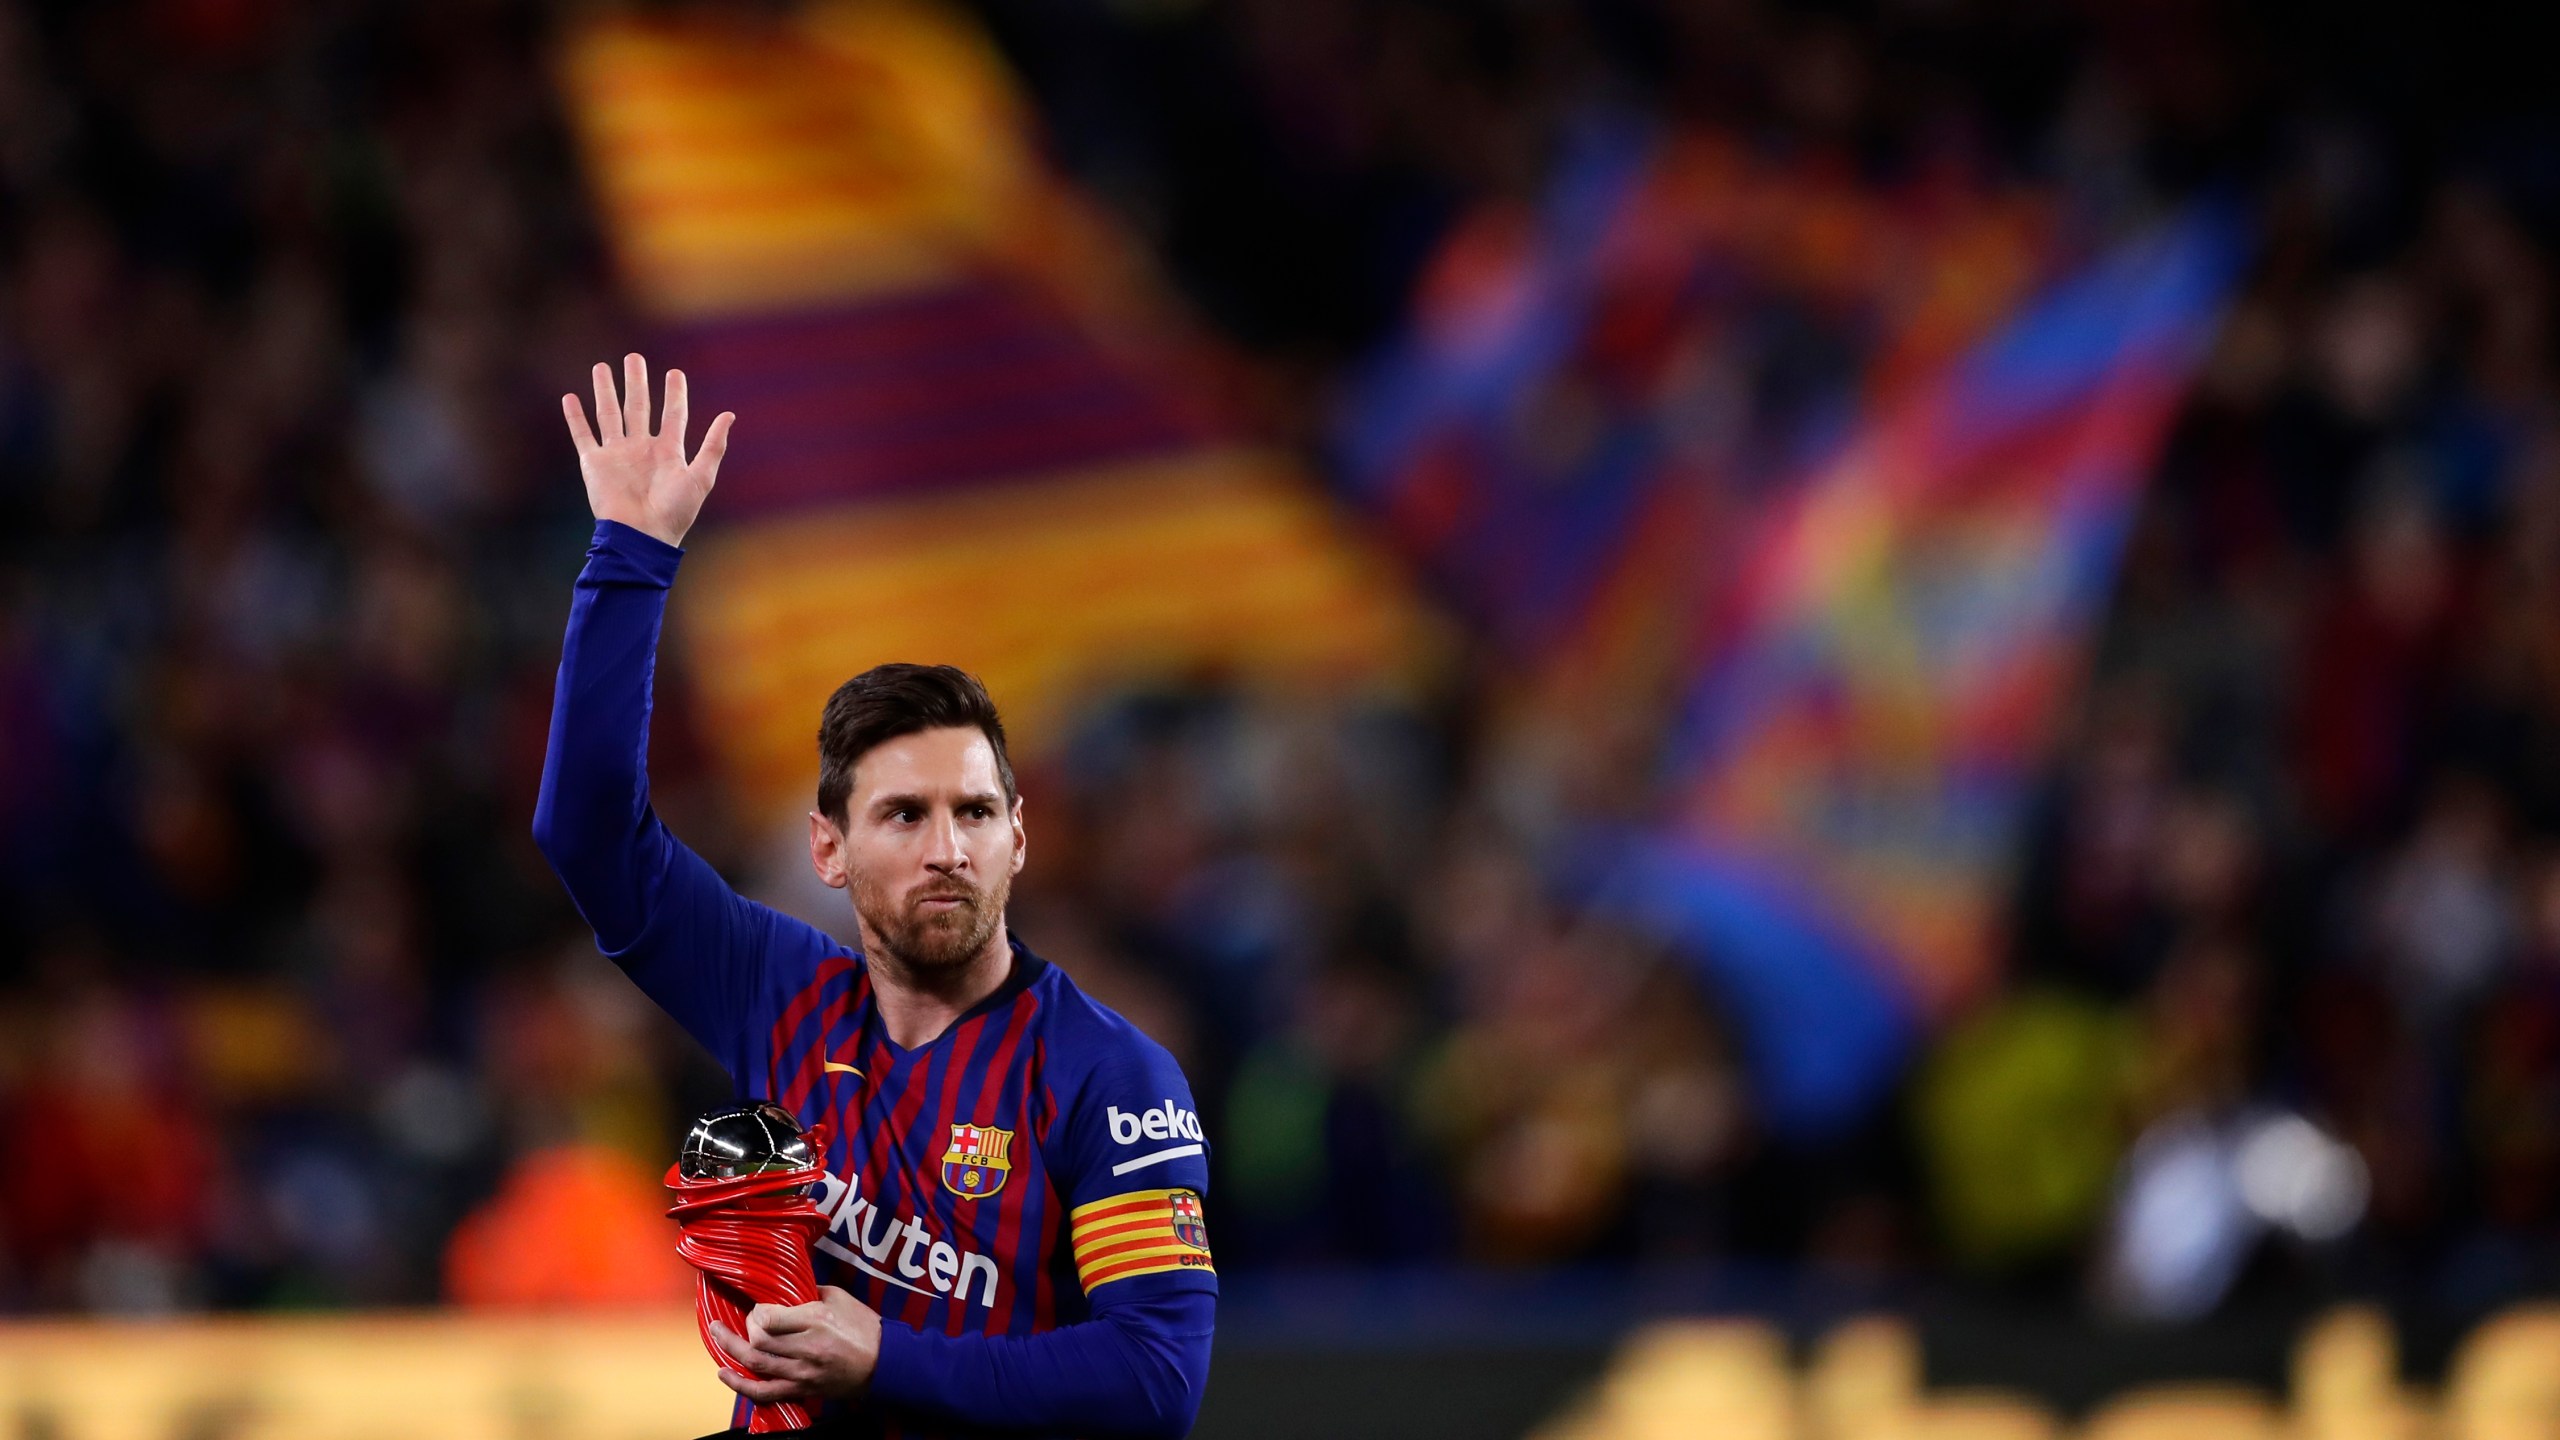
637,477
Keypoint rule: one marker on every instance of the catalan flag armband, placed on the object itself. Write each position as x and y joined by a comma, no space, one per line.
1145,1232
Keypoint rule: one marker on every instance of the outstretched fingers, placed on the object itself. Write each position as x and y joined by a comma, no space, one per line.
715,444
608,405
580,434
635,395
678,410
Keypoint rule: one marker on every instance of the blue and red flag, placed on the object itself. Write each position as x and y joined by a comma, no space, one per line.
1597,390
1848,776
1810,457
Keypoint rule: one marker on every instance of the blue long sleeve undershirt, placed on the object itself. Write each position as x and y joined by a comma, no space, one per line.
1138,1366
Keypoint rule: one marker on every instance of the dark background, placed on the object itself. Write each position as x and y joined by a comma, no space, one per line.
287,292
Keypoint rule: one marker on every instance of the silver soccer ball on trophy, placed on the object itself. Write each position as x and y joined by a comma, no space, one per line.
749,1138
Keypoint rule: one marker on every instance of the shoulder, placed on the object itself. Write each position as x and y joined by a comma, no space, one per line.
1088,1038
1111,1084
812,957
1124,1122
811,974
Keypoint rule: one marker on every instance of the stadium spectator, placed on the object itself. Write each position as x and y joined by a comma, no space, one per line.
285,293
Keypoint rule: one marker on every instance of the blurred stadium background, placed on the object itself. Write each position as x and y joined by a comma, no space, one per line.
1811,720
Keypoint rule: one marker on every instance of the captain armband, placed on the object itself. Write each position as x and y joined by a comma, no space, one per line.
1144,1232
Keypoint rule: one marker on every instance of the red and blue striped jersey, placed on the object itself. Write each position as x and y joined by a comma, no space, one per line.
989,1180
957,1171
1037,1162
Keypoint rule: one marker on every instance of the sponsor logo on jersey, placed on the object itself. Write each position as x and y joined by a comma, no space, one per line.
904,1253
1167,1121
977,1163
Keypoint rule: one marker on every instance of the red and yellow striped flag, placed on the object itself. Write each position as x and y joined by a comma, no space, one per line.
967,430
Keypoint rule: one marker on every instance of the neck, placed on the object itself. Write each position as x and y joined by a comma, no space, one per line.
915,1007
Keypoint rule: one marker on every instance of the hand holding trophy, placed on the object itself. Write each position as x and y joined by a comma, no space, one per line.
741,1183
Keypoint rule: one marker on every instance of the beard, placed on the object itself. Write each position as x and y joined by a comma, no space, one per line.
926,943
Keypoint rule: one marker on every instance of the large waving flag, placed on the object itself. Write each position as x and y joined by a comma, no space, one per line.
1596,391
1812,459
968,429
1850,771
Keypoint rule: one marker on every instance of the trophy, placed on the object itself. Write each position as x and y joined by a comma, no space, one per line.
742,1208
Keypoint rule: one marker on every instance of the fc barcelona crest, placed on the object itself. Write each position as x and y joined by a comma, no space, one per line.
978,1161
1188,1225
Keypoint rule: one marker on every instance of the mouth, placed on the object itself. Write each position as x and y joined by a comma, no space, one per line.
934,904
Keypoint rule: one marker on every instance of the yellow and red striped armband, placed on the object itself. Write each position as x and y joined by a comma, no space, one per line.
1145,1232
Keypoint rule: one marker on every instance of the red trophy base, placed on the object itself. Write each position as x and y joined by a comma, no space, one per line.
748,1238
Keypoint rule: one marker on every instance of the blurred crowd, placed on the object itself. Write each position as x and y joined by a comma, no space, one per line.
292,1013
287,292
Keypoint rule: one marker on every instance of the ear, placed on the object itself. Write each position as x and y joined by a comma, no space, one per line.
826,851
1021,838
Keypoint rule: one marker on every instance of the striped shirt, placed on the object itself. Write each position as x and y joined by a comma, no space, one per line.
1037,1166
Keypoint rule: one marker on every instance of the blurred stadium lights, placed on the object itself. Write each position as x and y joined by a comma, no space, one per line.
635,1376
2198,1196
2301,1179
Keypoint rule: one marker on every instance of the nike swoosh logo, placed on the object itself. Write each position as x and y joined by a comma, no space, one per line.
838,1065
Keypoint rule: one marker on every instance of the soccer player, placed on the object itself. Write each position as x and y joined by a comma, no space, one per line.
1013,1173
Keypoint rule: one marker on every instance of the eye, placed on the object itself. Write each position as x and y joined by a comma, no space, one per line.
905,815
982,812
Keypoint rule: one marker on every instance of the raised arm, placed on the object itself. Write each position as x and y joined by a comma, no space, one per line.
697,947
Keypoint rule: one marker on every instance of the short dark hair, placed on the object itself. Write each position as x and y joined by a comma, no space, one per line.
887,701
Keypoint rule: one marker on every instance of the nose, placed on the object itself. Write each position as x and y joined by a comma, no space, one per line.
943,852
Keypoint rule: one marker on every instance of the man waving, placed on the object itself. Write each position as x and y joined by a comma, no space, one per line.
1015,1174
